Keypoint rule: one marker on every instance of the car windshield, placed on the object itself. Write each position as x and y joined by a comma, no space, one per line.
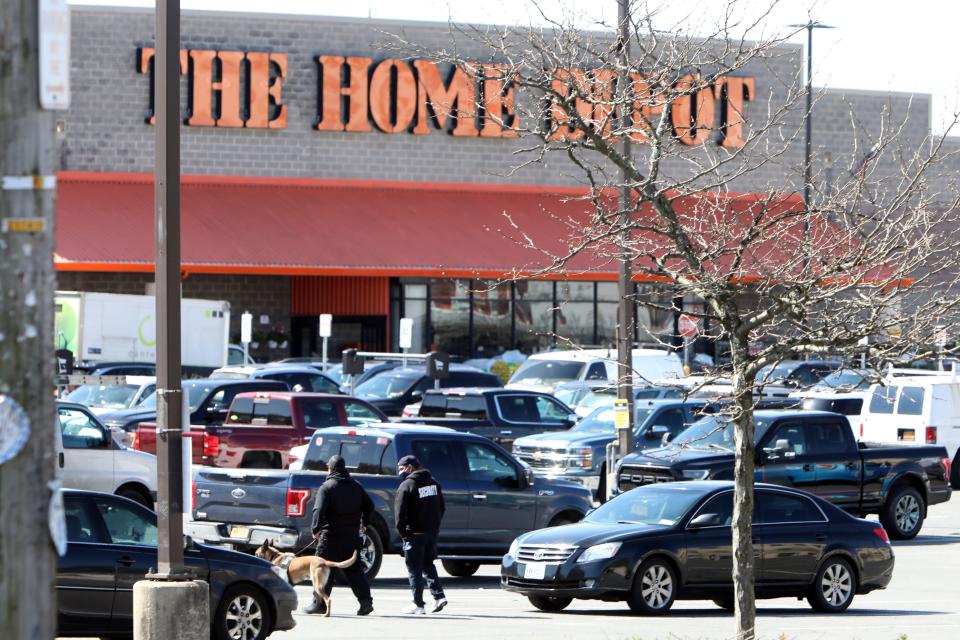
106,396
771,374
656,505
195,395
547,372
844,379
596,399
601,420
387,385
713,432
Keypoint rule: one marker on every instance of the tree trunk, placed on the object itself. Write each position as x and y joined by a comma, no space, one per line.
27,556
743,556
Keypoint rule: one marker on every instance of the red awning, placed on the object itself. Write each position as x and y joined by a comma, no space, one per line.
105,222
270,226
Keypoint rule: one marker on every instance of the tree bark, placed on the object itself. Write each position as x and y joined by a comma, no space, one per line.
27,556
743,556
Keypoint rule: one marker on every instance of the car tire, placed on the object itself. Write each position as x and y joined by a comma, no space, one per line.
460,568
654,588
242,613
138,496
726,605
550,604
834,586
371,553
903,512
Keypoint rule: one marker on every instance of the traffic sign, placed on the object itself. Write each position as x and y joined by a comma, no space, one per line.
326,325
406,333
687,325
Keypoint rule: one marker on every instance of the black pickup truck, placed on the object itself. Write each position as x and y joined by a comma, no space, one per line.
502,415
491,497
810,450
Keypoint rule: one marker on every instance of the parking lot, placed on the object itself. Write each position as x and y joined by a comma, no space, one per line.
922,603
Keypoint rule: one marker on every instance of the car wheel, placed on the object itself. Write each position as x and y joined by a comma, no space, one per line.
242,614
902,514
654,588
371,553
834,587
460,568
562,519
552,604
726,605
138,496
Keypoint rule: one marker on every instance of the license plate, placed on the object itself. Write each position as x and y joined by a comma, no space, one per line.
239,532
908,435
534,571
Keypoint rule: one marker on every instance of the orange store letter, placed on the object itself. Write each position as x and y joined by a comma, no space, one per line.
461,91
333,90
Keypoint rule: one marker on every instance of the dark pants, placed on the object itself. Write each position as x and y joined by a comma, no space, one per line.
419,552
339,548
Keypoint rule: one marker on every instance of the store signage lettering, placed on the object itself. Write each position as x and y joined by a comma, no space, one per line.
358,95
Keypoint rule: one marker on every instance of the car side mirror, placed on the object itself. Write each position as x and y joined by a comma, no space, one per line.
704,520
188,542
416,394
525,479
665,440
656,432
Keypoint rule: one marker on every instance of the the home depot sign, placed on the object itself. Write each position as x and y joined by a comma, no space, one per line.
356,94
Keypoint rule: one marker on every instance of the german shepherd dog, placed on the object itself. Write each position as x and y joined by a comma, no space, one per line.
299,567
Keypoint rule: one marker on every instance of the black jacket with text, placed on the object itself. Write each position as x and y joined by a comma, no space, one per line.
419,504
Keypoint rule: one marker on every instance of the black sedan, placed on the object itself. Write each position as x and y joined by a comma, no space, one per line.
112,543
661,542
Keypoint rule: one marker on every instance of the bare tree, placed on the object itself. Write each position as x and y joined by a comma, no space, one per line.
869,257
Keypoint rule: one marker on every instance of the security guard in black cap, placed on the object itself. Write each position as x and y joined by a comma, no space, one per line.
419,509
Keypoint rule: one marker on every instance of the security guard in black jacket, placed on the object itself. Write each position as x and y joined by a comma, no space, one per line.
340,515
419,509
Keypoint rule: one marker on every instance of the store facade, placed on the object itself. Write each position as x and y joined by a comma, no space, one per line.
316,180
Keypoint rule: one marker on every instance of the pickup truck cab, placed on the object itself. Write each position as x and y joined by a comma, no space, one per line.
490,496
814,451
579,454
88,457
396,388
545,371
263,426
501,415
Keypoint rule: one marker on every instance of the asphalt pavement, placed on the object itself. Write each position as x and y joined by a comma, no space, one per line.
921,603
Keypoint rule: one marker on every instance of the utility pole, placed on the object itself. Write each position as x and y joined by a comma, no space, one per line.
624,274
169,603
27,414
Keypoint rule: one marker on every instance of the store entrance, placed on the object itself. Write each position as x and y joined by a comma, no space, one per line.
366,333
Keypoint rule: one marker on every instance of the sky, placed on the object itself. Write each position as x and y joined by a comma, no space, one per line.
880,45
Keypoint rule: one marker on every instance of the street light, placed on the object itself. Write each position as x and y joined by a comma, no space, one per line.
807,170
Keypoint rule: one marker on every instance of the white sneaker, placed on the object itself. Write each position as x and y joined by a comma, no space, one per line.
414,610
438,605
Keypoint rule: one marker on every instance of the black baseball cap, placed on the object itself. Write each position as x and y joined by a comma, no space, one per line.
405,460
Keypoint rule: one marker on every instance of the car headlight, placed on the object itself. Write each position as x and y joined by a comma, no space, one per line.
514,547
280,571
600,552
695,474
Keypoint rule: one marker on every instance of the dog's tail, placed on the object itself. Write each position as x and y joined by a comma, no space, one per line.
343,564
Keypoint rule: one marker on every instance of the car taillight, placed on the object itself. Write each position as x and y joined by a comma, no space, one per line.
931,435
881,533
296,500
211,445
136,440
193,495
946,463
861,430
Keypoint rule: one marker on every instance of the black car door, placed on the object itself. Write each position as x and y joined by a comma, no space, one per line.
791,533
444,459
838,463
709,565
132,550
786,457
85,580
499,509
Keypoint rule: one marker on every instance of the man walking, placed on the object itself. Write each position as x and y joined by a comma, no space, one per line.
341,508
419,508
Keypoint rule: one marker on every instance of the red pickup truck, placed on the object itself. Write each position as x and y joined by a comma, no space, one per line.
261,427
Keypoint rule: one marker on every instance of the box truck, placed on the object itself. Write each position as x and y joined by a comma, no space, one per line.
101,327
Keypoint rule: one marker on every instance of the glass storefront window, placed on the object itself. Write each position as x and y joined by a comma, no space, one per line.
417,310
492,325
607,292
568,291
450,325
606,324
533,308
654,314
575,324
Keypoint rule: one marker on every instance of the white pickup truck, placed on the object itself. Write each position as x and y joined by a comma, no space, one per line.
88,457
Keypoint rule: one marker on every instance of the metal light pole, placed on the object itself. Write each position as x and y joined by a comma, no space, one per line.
808,145
624,275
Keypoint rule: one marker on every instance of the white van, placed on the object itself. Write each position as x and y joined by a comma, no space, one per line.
88,457
921,409
544,371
